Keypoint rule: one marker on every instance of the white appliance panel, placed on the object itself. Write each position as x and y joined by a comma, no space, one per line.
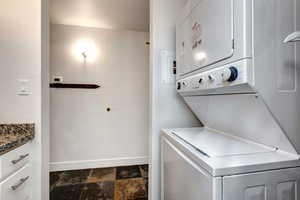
214,81
272,185
245,116
182,178
204,38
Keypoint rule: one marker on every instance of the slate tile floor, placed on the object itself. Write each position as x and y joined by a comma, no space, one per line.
120,183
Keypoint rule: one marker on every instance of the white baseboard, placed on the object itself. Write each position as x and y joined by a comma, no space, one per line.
102,163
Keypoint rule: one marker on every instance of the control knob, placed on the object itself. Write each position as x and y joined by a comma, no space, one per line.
200,81
211,78
181,85
178,86
230,74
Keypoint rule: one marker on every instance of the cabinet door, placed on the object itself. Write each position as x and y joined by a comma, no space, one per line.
273,185
206,35
182,179
14,160
277,63
286,55
17,186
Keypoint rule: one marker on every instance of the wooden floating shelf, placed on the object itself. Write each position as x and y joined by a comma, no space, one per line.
74,86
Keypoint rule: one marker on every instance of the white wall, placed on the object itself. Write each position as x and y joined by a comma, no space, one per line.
167,109
20,58
83,133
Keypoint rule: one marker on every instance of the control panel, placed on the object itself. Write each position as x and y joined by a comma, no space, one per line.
220,77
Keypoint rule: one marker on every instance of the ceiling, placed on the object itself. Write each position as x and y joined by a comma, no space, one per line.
108,14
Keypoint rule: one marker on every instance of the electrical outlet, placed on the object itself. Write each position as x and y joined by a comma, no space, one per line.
58,79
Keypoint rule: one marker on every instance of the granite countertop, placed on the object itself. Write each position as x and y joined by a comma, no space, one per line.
15,135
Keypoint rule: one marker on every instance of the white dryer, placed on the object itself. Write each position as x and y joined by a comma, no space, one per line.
238,70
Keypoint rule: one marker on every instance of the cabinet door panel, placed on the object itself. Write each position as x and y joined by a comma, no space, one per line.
272,185
17,186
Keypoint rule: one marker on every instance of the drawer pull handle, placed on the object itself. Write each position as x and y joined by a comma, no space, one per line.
22,181
22,157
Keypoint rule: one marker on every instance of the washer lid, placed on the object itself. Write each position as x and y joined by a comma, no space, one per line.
214,144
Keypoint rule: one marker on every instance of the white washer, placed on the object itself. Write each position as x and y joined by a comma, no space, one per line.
238,71
203,164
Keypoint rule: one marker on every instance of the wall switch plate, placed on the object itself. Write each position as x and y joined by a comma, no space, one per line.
23,87
167,59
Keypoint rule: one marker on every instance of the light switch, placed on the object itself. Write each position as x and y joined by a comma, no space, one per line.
167,59
23,87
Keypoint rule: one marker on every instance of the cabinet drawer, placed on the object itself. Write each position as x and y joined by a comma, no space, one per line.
17,186
14,160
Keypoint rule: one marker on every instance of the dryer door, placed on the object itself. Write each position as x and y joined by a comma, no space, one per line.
183,179
205,36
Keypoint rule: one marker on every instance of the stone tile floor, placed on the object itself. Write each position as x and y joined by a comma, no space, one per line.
120,183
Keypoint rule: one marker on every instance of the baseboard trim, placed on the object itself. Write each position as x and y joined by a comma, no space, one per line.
102,163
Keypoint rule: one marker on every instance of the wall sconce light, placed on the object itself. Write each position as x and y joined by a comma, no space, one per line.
84,54
85,49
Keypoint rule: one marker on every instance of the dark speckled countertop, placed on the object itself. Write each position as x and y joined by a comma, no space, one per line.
15,135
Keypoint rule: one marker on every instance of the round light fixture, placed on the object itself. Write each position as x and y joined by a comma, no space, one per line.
85,50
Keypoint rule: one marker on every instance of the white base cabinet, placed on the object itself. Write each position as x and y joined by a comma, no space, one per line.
15,174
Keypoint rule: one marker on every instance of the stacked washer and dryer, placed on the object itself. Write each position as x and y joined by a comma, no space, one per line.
238,70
